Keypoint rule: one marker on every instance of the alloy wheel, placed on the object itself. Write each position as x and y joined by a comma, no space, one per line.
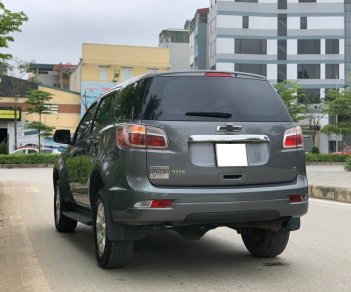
58,204
100,229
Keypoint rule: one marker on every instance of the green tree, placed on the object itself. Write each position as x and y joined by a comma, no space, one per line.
39,99
338,104
291,93
10,22
313,118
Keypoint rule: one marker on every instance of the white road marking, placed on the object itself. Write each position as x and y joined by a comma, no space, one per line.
330,202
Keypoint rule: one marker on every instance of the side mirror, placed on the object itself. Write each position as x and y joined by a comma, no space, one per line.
62,136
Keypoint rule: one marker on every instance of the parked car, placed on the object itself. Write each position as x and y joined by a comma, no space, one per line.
26,150
36,151
189,152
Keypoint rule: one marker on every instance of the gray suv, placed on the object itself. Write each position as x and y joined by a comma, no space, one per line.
183,151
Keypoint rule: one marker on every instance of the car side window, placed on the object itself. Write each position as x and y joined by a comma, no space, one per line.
21,151
32,151
123,104
127,104
85,123
102,114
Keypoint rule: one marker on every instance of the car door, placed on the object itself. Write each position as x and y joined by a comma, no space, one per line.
92,145
77,159
20,151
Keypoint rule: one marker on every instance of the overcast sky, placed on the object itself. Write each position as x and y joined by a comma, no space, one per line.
57,28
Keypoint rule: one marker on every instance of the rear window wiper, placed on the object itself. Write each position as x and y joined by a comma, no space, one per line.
210,114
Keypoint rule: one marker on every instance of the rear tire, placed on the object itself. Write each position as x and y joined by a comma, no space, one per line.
109,253
265,243
62,222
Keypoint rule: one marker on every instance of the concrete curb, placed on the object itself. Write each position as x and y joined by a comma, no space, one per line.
26,165
330,193
325,163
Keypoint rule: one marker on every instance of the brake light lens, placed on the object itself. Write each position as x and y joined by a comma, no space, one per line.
218,74
154,204
293,138
297,198
139,136
161,203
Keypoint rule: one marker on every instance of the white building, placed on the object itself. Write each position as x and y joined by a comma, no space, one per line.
177,41
298,40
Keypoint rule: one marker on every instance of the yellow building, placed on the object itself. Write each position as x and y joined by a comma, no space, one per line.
65,106
65,114
103,66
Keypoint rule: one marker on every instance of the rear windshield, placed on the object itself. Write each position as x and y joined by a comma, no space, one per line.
242,99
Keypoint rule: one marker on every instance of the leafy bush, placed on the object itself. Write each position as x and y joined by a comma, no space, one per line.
28,159
325,157
315,150
348,164
3,147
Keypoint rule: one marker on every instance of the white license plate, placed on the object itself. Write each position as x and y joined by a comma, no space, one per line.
231,155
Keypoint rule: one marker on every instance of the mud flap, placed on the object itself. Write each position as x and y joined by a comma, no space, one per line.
120,232
293,224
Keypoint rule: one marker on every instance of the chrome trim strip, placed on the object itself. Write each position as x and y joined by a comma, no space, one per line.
229,138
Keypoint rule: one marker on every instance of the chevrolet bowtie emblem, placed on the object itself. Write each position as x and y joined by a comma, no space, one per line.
230,128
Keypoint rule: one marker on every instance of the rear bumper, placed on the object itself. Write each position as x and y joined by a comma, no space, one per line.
208,205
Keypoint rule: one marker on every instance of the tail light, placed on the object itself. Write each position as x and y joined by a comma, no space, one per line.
293,138
139,136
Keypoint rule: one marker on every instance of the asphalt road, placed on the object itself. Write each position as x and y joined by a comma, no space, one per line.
34,257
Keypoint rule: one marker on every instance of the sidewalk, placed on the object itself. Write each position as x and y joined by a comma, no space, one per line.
19,268
329,182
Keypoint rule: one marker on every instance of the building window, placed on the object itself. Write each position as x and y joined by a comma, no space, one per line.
282,55
310,96
127,73
203,18
332,46
244,46
260,69
308,71
309,46
281,72
332,71
282,4
303,22
103,73
245,22
282,25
